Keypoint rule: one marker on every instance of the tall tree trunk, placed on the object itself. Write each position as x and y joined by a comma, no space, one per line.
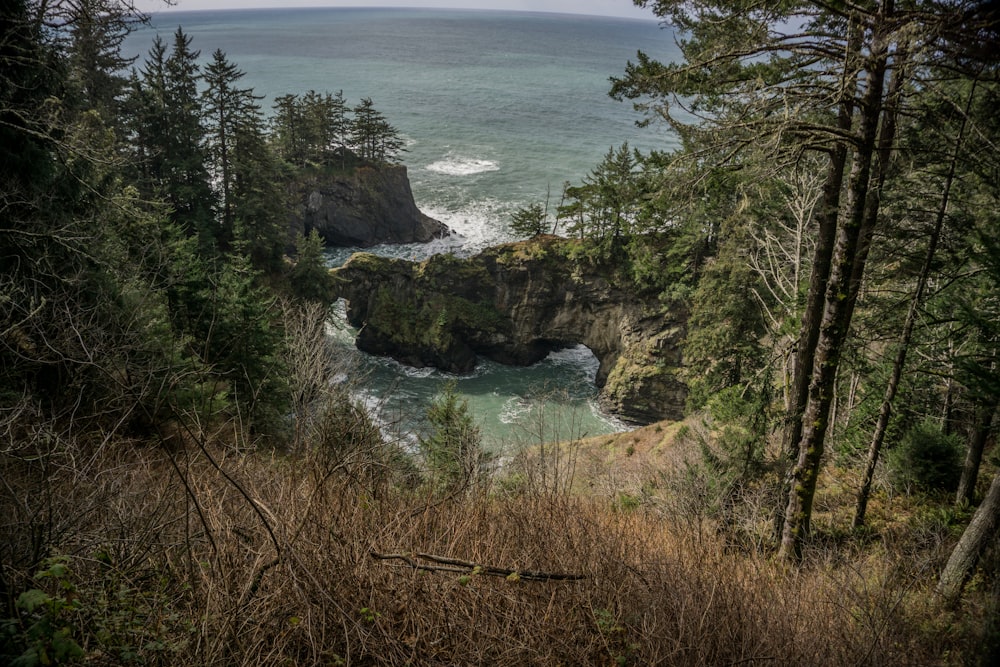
850,253
811,318
885,411
826,220
227,197
985,413
827,215
977,535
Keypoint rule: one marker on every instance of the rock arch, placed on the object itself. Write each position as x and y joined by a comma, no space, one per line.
516,303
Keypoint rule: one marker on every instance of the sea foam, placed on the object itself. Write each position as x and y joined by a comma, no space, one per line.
454,165
476,225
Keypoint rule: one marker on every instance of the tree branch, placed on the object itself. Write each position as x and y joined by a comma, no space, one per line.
444,564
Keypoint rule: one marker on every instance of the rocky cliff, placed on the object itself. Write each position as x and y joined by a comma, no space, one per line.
515,303
363,206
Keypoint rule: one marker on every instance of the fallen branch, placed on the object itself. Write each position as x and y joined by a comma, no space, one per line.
442,564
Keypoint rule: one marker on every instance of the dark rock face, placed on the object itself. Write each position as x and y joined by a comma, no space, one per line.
515,304
365,206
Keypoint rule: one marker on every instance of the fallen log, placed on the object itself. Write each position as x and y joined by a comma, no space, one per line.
443,564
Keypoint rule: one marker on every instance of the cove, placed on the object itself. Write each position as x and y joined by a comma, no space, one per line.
555,399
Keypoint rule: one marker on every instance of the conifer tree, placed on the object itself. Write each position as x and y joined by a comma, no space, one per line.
286,129
453,449
97,29
529,220
310,129
605,208
310,278
168,138
146,108
259,207
317,126
189,191
226,107
340,124
372,136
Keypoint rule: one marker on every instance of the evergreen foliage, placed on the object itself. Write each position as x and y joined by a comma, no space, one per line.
748,94
372,136
529,220
926,459
145,222
605,208
310,278
312,129
96,30
453,449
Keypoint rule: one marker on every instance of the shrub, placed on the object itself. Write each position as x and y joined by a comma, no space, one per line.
453,450
926,459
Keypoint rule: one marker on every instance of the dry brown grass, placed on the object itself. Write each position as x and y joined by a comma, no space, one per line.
216,556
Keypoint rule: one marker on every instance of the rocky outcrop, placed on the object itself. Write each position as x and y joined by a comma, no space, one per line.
364,206
515,304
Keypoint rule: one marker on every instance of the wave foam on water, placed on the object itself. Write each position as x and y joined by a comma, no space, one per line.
514,409
615,424
456,165
578,356
476,226
388,426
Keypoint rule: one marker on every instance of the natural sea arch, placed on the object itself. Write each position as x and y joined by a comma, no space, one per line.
515,304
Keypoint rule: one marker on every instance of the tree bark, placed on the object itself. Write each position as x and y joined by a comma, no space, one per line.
974,456
826,219
977,535
850,253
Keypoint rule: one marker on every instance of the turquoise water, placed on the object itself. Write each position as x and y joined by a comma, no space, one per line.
498,110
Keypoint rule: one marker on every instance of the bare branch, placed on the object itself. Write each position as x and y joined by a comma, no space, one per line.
466,567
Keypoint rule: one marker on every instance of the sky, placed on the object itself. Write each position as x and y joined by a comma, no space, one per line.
620,8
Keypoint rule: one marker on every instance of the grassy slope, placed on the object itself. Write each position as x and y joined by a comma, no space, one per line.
204,576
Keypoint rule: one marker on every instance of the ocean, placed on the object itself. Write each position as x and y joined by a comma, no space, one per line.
498,110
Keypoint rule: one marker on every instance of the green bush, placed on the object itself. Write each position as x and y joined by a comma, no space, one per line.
926,459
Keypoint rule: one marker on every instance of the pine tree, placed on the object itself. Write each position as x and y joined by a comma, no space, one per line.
242,339
85,312
97,29
340,125
189,190
310,278
453,450
371,136
226,107
317,126
146,108
286,129
529,220
259,206
605,208
169,140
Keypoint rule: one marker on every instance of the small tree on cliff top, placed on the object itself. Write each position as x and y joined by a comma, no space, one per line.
372,136
529,220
